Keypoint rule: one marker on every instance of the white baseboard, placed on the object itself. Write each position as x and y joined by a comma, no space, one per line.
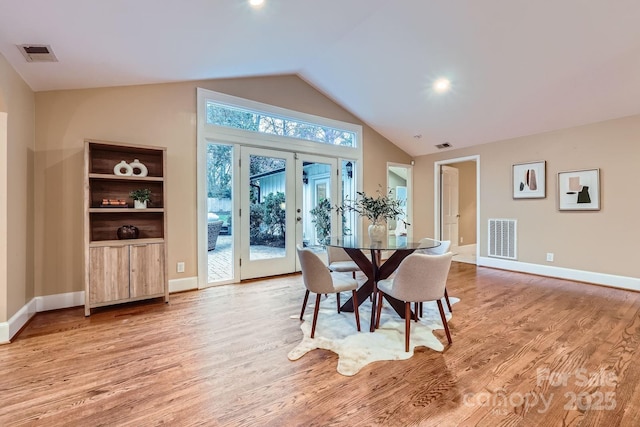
58,301
181,285
622,282
12,326
71,299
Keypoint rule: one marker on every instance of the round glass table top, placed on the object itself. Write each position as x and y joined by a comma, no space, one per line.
390,244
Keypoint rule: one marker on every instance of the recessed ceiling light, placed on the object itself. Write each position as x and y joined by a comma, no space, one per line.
256,3
441,85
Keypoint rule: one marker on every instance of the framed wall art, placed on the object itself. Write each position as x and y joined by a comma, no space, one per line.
579,190
529,180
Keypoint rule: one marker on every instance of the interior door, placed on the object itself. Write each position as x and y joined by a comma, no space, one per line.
450,212
267,214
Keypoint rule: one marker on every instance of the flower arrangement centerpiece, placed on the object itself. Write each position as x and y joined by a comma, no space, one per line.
378,210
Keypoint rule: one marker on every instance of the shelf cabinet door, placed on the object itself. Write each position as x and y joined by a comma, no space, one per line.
108,274
147,270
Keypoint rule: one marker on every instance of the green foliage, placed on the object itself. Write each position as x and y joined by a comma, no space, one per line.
141,194
263,164
274,214
219,171
378,209
267,221
321,217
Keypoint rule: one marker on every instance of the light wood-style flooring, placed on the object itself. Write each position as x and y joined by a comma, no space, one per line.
527,351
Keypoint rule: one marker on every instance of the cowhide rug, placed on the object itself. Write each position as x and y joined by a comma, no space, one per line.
338,333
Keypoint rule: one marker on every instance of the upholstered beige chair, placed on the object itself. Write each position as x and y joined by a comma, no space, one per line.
419,277
438,250
318,279
339,261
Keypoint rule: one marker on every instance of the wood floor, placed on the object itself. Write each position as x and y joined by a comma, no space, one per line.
527,351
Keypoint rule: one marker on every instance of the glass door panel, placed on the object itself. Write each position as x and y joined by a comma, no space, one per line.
220,211
267,213
316,196
348,190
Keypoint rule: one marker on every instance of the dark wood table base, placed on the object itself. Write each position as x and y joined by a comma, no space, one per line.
375,273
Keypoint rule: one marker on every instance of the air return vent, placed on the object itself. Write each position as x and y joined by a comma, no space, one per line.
443,145
37,53
502,238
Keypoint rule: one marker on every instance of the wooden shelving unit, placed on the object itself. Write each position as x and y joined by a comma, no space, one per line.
118,271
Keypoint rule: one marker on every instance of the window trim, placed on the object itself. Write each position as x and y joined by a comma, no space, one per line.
266,140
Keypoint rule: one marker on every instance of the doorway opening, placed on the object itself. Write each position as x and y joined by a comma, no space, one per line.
457,207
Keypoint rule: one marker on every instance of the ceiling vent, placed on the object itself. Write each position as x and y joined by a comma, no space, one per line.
441,146
37,53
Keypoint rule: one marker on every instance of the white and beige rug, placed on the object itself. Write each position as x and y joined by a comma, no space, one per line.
338,333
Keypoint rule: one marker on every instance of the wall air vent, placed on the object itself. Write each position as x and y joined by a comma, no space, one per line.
443,145
502,238
37,53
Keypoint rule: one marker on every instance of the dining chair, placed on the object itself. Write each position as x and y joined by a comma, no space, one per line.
438,250
419,277
319,280
339,261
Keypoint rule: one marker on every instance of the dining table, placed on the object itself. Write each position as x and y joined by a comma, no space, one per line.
375,268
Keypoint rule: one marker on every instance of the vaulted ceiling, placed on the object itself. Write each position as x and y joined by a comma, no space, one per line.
516,67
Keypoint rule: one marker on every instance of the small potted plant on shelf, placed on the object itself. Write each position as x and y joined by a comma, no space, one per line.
141,197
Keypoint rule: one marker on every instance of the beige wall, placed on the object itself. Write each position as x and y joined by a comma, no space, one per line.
603,241
16,192
162,115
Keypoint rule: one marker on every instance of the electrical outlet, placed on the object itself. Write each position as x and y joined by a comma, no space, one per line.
180,267
550,256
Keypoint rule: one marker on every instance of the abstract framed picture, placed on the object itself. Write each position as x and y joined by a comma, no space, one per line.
530,180
579,190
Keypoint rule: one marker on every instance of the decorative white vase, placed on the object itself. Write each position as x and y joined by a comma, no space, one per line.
378,232
138,169
140,205
123,169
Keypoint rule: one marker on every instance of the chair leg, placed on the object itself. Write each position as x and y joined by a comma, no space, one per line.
407,325
379,309
356,309
444,321
446,297
415,311
338,300
353,274
420,304
316,309
304,304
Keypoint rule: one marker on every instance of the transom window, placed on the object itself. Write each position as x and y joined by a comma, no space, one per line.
267,123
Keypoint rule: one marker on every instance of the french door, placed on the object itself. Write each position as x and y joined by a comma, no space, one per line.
284,199
267,213
316,197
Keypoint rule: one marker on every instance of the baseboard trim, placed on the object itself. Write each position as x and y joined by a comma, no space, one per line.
73,299
11,327
59,301
181,285
621,282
